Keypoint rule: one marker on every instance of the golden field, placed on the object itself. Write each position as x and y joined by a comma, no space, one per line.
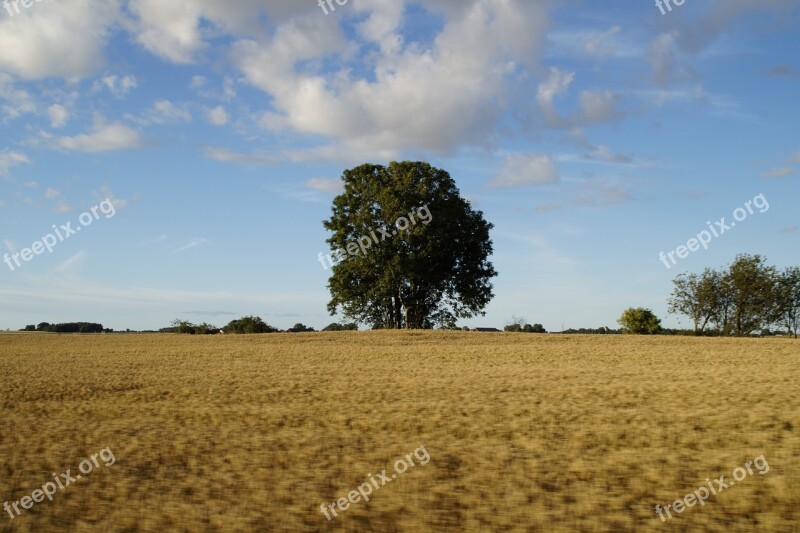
524,432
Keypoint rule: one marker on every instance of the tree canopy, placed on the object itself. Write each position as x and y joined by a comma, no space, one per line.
746,297
640,321
411,275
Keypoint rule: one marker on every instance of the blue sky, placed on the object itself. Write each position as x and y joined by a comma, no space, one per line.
593,135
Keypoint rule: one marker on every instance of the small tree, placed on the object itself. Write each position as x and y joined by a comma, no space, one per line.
788,300
696,297
640,321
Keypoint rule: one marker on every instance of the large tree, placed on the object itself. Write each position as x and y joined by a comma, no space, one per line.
751,283
394,272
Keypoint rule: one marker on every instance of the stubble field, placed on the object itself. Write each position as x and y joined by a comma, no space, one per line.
524,432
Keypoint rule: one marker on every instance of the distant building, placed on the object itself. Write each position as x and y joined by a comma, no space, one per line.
486,330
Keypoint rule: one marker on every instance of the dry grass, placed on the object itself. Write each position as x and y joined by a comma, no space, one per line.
525,432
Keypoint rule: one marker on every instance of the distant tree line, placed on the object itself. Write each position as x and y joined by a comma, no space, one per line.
68,327
246,326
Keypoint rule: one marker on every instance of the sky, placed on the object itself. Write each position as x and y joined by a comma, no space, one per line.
210,138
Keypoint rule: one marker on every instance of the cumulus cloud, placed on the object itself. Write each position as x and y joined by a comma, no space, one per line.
117,85
434,97
166,112
10,159
526,169
55,197
58,115
104,137
217,116
15,101
60,39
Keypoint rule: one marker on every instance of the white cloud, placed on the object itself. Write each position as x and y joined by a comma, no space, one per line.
779,172
165,112
59,39
198,82
325,185
178,31
188,246
16,102
435,98
602,44
105,137
105,193
598,106
58,115
71,265
604,154
601,193
54,195
556,84
116,85
224,155
10,159
218,116
526,169
662,57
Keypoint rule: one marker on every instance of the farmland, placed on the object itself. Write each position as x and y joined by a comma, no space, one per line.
524,432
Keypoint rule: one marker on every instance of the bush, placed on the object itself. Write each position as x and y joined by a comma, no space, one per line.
335,326
639,321
249,325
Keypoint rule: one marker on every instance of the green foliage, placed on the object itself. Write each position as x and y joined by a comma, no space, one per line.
430,273
639,321
743,299
335,326
69,327
184,327
518,325
592,331
788,300
249,325
301,328
697,297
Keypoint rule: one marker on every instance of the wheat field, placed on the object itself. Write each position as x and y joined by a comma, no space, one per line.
524,432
